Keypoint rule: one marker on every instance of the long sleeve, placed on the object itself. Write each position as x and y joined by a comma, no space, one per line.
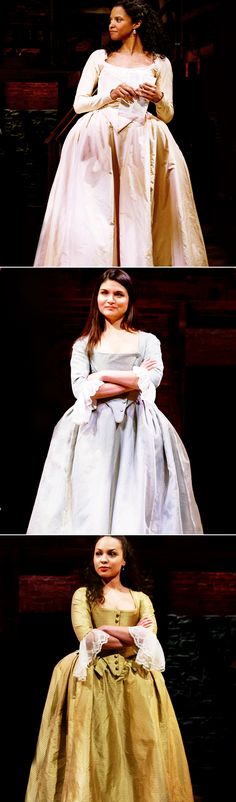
165,108
148,380
81,614
83,389
150,653
80,366
153,351
91,640
84,99
146,609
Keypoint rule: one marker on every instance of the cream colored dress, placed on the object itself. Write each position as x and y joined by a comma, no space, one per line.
122,193
109,731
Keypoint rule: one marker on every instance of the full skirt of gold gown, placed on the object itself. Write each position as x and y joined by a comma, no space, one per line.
113,736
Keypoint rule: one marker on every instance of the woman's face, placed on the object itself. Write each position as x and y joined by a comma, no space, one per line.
113,300
121,25
108,557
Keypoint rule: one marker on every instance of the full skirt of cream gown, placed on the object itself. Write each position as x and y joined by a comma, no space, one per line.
121,198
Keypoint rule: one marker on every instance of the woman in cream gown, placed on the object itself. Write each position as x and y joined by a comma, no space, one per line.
108,730
122,193
115,462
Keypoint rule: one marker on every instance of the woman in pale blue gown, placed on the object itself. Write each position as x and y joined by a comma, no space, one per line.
115,465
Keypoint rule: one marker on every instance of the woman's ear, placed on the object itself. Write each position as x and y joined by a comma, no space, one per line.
137,25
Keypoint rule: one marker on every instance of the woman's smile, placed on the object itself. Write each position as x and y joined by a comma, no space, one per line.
112,299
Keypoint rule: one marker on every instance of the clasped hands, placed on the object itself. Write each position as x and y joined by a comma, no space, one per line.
147,91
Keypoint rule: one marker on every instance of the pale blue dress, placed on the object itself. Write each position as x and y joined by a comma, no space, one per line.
116,466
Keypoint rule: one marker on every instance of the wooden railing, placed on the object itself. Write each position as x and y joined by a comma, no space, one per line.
55,141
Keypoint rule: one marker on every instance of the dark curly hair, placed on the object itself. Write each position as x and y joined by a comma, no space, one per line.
131,574
96,322
151,32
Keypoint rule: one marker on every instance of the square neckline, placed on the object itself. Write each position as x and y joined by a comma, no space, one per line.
117,609
121,353
129,68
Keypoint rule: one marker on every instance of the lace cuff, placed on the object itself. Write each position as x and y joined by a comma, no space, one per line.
148,390
150,654
84,404
90,646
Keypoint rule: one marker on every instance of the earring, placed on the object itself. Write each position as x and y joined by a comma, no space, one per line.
134,31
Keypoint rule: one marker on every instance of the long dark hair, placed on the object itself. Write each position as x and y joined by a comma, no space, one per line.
151,32
95,324
131,575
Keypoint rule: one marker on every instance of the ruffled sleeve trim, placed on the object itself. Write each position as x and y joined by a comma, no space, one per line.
150,654
84,404
148,390
90,646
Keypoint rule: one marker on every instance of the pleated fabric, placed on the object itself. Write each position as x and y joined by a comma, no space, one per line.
124,471
111,737
122,193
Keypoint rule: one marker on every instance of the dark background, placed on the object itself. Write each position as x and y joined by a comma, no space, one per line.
43,47
192,311
194,594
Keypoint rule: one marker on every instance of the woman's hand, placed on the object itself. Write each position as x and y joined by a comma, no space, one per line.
149,364
145,622
150,93
124,92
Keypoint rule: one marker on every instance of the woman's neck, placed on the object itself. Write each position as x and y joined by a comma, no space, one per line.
112,327
113,584
132,45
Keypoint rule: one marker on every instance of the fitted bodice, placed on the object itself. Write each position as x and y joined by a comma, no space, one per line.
112,75
85,617
121,618
117,662
100,360
121,112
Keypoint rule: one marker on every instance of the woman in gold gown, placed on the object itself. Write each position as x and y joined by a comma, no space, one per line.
108,730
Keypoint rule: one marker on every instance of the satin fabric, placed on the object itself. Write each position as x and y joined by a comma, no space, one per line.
125,471
122,193
115,735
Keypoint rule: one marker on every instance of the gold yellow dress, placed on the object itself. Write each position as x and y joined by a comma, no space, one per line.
112,736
